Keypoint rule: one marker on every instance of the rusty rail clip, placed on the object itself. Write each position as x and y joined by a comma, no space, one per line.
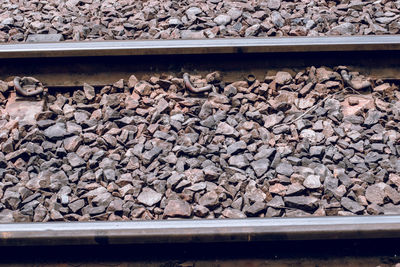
191,88
23,92
347,79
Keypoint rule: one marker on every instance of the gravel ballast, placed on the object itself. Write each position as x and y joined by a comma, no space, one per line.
292,144
54,20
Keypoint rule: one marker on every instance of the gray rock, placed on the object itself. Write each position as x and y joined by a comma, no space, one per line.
81,116
73,128
189,34
312,182
354,136
151,155
255,195
89,91
310,24
76,205
233,213
260,166
223,19
284,168
294,189
149,197
271,212
177,208
200,211
174,22
56,131
8,21
317,151
277,19
58,180
309,135
332,105
283,78
209,200
351,205
256,208
307,203
92,210
11,199
238,161
392,194
197,187
281,129
44,38
128,189
37,25
273,4
195,175
372,157
272,120
344,29
234,13
359,146
192,12
40,213
103,199
276,202
390,209
374,209
236,147
72,143
252,30
42,124
225,129
354,119
211,172
109,175
264,152
6,216
74,160
376,193
373,117
95,192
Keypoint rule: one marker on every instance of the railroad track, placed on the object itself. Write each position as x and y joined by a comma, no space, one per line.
101,63
67,66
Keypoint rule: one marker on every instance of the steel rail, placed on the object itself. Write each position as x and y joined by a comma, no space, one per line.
67,64
199,231
200,46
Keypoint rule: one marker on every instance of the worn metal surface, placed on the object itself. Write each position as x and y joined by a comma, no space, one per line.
201,46
101,63
192,231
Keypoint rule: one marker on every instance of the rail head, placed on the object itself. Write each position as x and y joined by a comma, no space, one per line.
201,46
199,231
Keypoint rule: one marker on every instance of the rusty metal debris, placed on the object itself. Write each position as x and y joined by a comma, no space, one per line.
22,91
356,85
191,88
25,103
251,79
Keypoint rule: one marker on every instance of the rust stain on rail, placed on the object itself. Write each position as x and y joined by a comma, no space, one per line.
6,235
